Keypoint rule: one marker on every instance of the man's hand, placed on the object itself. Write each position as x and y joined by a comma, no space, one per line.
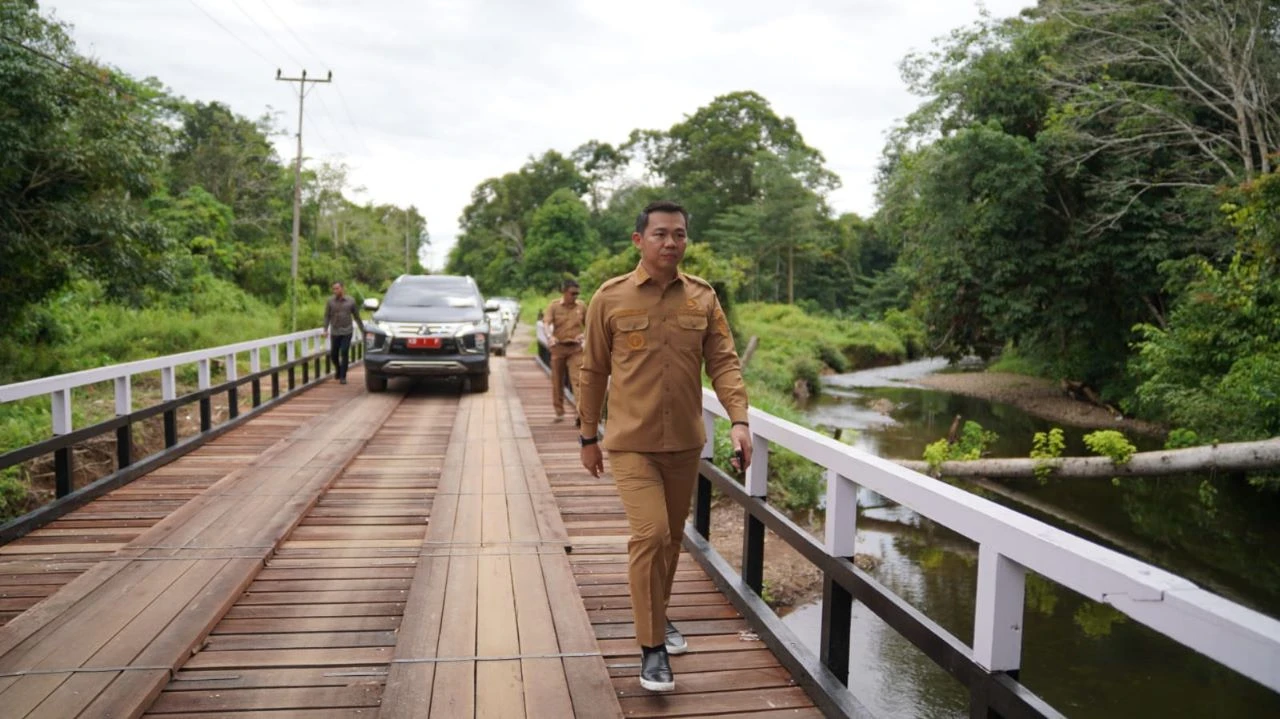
593,459
551,341
324,334
741,437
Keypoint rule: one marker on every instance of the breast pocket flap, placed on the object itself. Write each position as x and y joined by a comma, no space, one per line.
632,323
692,322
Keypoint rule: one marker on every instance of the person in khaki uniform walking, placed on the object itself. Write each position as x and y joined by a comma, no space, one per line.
564,320
648,334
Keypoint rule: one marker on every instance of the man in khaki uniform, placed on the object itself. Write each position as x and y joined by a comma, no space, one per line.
648,335
564,320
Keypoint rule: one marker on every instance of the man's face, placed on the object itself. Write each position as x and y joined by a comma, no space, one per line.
571,295
337,290
663,243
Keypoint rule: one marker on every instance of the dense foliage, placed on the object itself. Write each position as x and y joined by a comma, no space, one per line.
162,214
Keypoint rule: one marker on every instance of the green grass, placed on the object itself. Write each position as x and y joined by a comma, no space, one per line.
795,345
82,328
1013,362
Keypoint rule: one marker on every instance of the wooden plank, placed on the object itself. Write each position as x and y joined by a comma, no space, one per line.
354,656
546,689
498,683
453,693
363,694
714,703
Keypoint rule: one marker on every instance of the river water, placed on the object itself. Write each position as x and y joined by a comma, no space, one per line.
1084,658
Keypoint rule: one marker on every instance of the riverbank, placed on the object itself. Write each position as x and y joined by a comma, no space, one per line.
1033,395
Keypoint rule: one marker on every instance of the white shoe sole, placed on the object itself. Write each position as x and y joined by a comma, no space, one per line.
674,650
657,686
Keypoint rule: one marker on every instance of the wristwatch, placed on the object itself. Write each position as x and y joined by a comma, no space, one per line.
584,441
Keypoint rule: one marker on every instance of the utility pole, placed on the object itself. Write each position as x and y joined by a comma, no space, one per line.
297,194
408,266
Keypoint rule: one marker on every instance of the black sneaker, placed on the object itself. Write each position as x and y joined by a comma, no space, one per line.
342,381
675,642
655,670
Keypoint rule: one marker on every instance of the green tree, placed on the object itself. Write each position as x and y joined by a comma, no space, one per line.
709,159
492,244
1215,369
79,148
561,241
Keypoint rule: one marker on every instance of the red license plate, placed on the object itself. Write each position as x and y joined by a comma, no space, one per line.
424,343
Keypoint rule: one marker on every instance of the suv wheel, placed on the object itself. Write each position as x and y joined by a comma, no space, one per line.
479,383
374,382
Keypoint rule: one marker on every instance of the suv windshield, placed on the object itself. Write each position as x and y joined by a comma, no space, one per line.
410,295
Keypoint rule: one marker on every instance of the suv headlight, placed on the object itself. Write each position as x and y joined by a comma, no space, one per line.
385,328
472,338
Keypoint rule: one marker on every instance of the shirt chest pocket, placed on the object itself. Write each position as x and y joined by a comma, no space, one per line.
690,329
631,333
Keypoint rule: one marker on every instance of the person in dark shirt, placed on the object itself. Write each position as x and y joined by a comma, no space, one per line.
340,312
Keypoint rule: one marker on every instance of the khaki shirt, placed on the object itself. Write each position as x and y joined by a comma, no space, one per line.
566,322
653,341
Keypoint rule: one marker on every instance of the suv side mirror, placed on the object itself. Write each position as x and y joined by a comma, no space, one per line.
371,303
492,306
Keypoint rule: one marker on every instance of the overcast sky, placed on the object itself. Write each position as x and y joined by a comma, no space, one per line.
430,97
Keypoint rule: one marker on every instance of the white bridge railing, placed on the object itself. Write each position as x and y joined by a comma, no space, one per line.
59,387
1010,545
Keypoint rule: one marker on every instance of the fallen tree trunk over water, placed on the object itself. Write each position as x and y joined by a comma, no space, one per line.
1233,457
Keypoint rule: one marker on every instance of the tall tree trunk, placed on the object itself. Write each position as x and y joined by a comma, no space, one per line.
791,274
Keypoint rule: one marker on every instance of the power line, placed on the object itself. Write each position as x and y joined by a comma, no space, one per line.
333,124
359,135
227,30
270,39
297,39
103,79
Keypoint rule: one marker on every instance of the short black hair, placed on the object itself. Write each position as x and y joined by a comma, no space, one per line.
568,283
642,220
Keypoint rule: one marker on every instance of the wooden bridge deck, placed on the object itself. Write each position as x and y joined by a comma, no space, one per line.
357,555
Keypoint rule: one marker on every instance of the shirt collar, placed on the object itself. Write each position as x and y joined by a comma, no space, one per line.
641,275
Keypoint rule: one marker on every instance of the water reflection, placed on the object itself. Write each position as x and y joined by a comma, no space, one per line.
1085,658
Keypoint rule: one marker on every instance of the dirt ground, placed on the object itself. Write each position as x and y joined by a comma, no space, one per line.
1036,396
790,580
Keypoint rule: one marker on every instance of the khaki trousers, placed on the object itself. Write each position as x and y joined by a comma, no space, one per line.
656,489
564,357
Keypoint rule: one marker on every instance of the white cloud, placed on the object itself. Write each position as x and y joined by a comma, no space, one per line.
430,98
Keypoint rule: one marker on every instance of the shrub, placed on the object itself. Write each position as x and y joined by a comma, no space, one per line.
1046,446
1110,443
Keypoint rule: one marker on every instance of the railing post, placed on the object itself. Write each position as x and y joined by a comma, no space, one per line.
837,603
275,373
291,353
997,625
753,529
63,459
837,627
168,393
124,434
702,494
255,366
842,515
203,383
233,392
